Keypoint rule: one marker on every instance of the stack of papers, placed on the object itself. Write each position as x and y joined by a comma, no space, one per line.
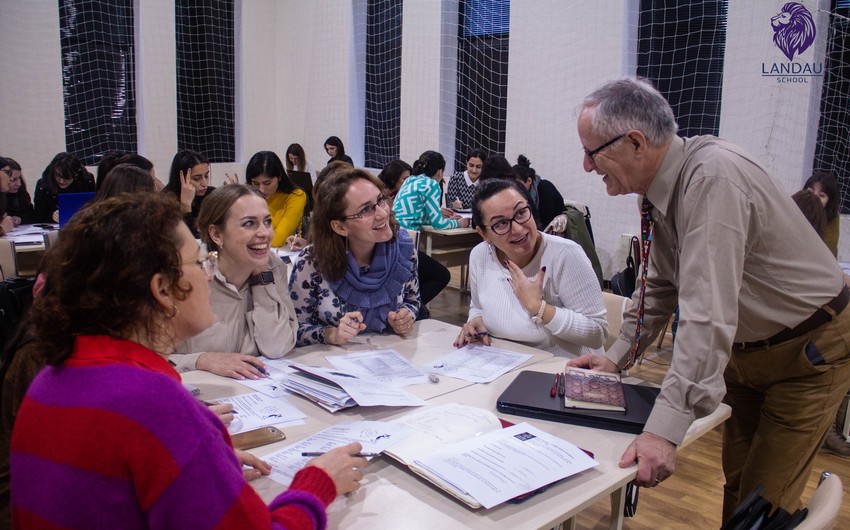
335,390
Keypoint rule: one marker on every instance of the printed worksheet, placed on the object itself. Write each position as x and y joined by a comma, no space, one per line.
384,366
503,464
374,436
272,385
255,410
478,363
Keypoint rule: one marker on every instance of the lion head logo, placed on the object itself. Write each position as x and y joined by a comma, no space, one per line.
793,29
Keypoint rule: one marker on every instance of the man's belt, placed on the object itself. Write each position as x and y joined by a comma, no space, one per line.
818,318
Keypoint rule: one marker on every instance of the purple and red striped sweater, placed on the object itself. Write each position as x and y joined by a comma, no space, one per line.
111,439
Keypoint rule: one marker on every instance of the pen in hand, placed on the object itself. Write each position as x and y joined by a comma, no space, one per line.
359,455
294,239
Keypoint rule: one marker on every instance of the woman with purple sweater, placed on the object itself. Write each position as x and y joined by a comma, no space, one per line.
106,436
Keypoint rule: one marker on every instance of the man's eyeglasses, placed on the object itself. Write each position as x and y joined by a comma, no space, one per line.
503,226
368,211
591,154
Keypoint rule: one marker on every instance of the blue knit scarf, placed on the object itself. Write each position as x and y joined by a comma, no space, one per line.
375,292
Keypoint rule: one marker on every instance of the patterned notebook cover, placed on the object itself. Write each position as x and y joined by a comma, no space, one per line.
589,389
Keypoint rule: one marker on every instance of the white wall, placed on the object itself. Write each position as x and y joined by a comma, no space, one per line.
299,81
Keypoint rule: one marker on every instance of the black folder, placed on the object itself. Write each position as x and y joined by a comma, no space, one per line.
528,395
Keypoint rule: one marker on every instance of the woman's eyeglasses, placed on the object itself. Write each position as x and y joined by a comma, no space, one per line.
368,211
208,262
503,226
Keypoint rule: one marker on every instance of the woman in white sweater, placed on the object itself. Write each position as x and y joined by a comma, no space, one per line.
528,286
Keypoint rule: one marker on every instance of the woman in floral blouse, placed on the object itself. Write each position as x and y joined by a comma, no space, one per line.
359,273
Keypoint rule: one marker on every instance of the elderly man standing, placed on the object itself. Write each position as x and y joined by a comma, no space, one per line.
762,300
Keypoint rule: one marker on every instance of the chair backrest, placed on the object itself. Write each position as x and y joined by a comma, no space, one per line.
50,238
8,260
414,236
824,504
615,305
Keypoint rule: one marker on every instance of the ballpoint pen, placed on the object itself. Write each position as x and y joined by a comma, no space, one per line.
554,391
320,453
291,243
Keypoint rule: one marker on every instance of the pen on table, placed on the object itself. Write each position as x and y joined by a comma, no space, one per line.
562,384
554,391
320,453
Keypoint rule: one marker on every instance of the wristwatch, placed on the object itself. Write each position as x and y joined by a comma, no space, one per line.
538,318
264,278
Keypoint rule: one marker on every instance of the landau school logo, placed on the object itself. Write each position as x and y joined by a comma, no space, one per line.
793,33
793,29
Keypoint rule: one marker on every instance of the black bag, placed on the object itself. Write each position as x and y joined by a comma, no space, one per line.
15,299
623,282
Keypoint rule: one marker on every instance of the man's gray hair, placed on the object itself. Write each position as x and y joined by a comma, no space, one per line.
631,103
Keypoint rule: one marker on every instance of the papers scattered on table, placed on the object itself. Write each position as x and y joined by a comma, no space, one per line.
29,234
385,366
334,390
374,436
258,410
478,363
506,463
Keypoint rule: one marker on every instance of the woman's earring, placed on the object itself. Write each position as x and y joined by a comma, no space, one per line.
175,311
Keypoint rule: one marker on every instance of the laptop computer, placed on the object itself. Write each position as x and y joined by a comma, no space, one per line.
303,180
528,395
70,203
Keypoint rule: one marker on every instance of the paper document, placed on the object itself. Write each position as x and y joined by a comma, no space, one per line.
506,463
258,410
478,363
272,386
385,366
374,436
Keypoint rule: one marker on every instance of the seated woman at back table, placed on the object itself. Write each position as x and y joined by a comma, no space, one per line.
18,201
359,273
286,201
64,174
140,451
462,184
254,314
296,160
528,286
189,183
336,150
393,176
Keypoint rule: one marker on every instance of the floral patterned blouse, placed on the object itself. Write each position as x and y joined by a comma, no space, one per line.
318,304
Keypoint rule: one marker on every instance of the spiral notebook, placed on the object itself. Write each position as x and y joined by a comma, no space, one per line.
528,395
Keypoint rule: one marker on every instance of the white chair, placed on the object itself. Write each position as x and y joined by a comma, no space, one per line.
615,306
8,259
824,504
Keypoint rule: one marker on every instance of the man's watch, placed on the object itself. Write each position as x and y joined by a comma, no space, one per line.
264,278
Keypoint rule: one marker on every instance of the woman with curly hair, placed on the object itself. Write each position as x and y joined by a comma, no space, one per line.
140,451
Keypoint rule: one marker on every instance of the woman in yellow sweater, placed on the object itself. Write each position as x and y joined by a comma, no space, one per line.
286,201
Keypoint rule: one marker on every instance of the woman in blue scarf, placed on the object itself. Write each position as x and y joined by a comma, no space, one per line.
359,272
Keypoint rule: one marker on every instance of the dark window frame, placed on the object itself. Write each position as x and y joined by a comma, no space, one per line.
97,40
382,124
206,78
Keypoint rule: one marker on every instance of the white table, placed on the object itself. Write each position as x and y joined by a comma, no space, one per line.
393,497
